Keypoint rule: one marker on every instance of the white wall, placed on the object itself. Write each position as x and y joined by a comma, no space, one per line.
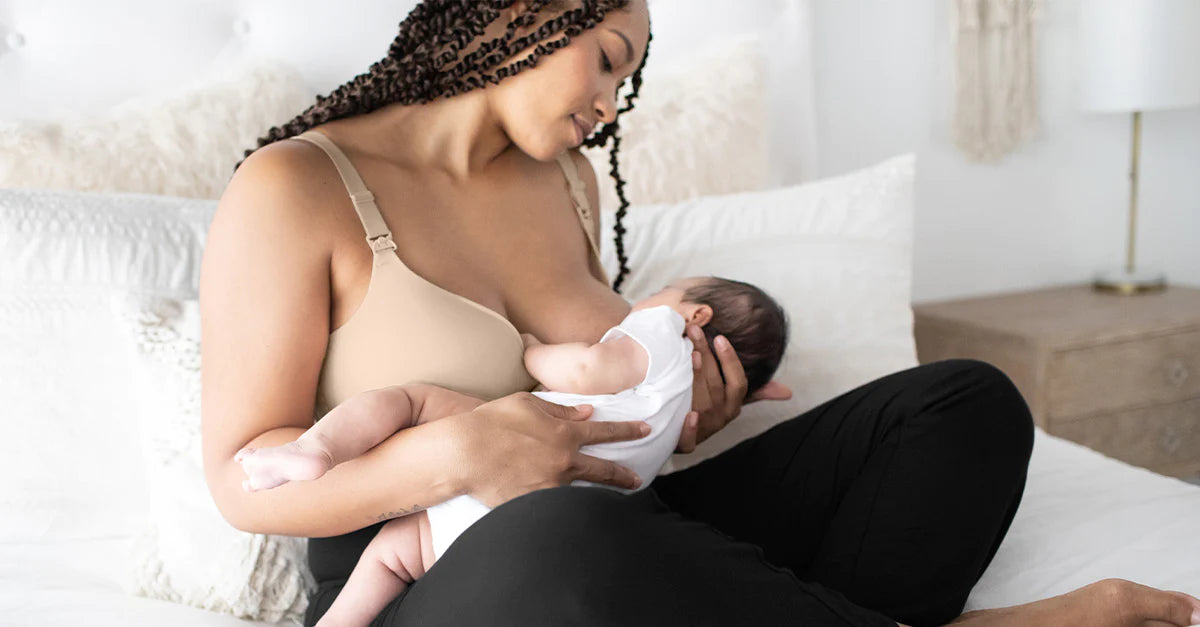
1052,212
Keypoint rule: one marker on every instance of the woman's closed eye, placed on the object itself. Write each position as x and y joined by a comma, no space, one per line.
605,63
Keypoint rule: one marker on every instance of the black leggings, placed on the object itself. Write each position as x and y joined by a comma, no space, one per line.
884,504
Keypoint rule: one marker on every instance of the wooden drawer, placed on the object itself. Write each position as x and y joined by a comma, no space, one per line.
1164,438
1151,370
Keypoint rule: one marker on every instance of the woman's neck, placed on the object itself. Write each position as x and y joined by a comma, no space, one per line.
459,136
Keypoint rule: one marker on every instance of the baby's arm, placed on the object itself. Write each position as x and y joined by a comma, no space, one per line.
368,418
580,368
352,428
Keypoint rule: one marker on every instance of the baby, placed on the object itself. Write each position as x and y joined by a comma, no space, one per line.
640,369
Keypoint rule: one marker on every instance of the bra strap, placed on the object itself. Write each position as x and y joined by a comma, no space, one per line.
379,238
578,193
582,207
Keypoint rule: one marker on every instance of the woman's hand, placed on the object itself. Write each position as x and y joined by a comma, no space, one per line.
716,402
520,443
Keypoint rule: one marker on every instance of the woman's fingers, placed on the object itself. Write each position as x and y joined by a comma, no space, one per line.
735,377
596,432
566,412
701,401
598,470
712,377
772,391
687,437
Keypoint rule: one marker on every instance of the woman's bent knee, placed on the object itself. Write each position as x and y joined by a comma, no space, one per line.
991,401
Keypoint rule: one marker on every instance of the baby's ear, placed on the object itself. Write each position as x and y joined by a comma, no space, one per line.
701,315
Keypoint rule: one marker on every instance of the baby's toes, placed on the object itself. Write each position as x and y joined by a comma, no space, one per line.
266,481
257,482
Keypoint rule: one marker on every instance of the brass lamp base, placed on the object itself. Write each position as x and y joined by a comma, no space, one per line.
1128,283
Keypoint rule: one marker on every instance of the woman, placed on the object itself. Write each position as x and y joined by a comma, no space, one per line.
455,155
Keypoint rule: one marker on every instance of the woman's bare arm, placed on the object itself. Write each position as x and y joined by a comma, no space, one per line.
264,298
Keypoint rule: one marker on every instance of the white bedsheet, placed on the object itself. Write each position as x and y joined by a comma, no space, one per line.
1084,517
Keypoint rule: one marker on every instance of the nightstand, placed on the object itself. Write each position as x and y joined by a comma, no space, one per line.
1119,374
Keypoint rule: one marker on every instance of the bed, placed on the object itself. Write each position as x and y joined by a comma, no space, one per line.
71,508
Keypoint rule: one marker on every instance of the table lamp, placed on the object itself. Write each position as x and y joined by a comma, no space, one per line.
1135,56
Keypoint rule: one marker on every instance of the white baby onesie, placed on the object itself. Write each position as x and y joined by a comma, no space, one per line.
662,399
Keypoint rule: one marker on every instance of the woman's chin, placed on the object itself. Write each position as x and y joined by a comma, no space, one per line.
548,152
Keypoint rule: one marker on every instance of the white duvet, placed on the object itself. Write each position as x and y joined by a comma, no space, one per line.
1084,517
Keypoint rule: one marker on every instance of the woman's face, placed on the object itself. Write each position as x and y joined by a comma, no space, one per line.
542,108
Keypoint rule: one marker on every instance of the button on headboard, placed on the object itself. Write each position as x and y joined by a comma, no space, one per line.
84,55
60,56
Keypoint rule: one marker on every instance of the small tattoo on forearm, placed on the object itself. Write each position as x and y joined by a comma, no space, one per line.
390,515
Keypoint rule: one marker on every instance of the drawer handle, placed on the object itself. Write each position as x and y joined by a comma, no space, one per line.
1169,441
1177,372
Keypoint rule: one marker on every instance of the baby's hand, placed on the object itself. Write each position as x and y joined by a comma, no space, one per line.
528,339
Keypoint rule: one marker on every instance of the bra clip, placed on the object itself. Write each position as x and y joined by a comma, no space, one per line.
381,243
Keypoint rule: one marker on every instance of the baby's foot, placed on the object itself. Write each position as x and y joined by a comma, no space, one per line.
274,466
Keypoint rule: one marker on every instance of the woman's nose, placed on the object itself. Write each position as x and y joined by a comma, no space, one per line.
606,109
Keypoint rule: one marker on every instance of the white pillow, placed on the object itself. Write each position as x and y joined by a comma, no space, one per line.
185,144
835,253
64,370
696,129
188,553
109,396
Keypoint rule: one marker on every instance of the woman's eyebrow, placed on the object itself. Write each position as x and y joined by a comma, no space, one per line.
628,45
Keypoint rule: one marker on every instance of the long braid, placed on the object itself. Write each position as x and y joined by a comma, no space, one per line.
425,62
601,138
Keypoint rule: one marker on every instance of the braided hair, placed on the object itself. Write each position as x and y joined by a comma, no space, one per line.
423,63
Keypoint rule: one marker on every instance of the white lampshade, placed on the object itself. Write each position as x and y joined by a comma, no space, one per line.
1139,55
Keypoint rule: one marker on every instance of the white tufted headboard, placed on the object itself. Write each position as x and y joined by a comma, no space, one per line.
81,56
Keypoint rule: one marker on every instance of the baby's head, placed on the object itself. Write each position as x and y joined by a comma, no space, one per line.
755,325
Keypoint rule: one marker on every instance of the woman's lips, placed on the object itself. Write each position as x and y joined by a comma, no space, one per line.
581,128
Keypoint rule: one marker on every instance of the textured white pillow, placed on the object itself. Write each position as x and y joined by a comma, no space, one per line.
70,468
189,554
101,400
835,253
185,144
697,128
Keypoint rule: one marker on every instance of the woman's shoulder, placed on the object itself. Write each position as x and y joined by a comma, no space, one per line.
275,209
290,181
285,166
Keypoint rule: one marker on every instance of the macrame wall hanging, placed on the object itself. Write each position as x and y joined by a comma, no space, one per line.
996,91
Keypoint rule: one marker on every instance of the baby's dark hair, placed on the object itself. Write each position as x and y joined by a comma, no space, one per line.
755,325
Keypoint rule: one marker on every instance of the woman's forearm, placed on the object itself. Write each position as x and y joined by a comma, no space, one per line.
411,470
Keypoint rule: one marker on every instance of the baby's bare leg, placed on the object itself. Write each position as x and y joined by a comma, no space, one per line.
345,432
398,555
